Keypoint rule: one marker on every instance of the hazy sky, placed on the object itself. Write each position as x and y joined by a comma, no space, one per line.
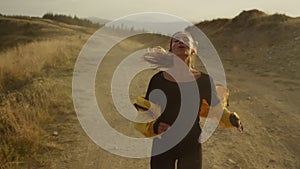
192,10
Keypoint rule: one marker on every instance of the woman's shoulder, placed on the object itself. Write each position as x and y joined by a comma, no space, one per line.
156,76
200,75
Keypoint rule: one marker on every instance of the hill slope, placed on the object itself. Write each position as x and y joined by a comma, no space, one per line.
254,38
37,57
20,30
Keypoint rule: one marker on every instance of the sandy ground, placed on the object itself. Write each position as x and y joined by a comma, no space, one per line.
267,107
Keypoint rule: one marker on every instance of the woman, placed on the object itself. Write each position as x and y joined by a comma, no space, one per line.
164,90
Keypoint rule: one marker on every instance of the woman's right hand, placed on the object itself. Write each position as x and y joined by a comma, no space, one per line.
162,127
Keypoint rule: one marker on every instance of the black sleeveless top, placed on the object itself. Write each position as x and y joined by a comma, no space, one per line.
168,96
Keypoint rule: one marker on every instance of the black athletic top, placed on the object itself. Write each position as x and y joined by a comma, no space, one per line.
171,102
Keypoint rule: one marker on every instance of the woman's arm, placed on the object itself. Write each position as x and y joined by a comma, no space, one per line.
214,106
228,119
148,112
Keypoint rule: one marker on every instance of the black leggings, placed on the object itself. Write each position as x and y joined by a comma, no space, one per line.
188,157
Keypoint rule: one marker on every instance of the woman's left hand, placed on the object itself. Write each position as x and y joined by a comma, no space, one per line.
236,122
240,127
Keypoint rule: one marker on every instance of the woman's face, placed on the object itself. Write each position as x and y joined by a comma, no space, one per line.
182,45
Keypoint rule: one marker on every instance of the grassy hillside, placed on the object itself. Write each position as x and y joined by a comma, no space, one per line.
20,30
254,38
35,55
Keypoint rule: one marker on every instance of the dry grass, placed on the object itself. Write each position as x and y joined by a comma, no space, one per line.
27,84
23,30
21,64
22,114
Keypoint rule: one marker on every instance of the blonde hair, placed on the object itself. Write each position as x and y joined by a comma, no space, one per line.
160,58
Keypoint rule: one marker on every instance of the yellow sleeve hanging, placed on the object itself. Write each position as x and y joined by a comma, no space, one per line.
146,117
228,118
